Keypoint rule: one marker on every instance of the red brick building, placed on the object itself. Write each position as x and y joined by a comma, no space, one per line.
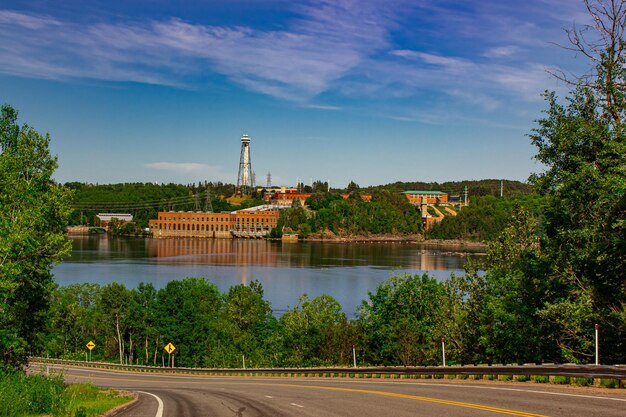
432,197
244,223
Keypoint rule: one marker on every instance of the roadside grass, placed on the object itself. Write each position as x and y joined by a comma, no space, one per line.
86,400
41,395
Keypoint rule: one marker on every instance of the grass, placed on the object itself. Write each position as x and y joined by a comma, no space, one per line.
89,400
40,395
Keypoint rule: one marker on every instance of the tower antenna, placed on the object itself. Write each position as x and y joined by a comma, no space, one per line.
244,177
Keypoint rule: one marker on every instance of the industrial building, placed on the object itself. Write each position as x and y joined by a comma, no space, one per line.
432,197
255,222
105,218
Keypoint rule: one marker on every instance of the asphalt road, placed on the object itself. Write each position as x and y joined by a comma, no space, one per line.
163,395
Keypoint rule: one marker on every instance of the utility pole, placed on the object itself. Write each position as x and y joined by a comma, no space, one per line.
501,188
208,206
465,193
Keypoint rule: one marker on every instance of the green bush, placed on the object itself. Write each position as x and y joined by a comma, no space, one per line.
609,383
542,379
583,382
522,378
561,380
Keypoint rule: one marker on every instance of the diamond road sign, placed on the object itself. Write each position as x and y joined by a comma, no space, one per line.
91,345
169,348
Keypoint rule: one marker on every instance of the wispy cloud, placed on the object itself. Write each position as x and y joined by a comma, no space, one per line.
342,47
325,42
191,170
501,51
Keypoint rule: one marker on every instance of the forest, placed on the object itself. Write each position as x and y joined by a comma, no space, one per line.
401,323
484,218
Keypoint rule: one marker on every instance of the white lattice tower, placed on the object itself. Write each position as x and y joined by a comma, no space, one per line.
244,178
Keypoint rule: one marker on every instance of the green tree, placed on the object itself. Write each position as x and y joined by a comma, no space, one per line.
33,215
582,146
115,303
188,313
401,321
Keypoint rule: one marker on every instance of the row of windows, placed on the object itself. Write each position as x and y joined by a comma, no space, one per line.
201,228
210,219
195,219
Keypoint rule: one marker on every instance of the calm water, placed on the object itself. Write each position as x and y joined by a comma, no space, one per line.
286,270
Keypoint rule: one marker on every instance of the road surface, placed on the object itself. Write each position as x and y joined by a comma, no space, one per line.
167,395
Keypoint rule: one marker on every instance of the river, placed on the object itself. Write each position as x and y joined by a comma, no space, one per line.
346,271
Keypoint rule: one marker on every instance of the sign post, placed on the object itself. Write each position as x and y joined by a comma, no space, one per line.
597,357
169,348
443,350
90,346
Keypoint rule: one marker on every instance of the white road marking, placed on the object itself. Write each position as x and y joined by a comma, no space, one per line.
159,412
297,405
335,381
268,396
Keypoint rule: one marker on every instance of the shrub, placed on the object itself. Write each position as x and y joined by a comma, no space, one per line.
583,382
609,383
561,380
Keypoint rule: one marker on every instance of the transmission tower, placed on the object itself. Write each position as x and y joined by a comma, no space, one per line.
197,202
244,178
269,180
208,206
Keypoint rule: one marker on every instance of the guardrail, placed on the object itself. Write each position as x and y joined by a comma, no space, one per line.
616,372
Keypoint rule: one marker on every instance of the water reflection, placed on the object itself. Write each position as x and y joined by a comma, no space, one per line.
345,271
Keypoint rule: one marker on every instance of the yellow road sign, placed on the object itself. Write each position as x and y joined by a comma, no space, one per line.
169,348
91,345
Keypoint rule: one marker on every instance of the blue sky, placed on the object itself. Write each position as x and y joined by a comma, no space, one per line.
367,90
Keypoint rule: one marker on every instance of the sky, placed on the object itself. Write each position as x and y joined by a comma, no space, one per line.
371,91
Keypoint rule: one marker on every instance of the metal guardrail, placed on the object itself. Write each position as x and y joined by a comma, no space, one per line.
576,371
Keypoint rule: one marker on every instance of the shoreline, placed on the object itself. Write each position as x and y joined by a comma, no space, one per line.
384,238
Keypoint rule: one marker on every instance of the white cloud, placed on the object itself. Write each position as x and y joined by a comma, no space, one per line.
501,51
192,171
330,46
326,41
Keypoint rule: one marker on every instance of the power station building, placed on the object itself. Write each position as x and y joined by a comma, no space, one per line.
257,222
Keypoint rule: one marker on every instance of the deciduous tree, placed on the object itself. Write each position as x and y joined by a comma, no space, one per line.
33,215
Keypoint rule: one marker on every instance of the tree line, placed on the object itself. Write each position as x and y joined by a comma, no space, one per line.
331,214
485,218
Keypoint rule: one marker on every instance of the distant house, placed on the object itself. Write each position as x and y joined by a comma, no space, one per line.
364,197
432,197
105,218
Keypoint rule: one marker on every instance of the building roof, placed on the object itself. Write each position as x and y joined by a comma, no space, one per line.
424,192
110,216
